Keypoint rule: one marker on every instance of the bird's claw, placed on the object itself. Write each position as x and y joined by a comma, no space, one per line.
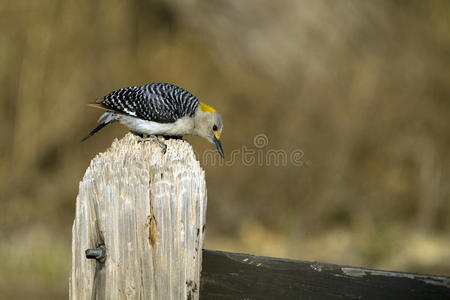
155,139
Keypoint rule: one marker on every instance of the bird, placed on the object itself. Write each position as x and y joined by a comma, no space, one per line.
160,109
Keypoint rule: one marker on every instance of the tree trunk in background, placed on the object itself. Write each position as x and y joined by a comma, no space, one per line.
149,211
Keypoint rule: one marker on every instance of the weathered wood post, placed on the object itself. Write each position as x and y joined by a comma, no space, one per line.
146,210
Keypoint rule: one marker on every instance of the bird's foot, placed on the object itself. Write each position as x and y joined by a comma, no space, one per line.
154,138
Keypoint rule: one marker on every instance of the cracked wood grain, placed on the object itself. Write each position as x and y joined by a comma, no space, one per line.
148,209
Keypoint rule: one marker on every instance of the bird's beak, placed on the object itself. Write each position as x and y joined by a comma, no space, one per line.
218,145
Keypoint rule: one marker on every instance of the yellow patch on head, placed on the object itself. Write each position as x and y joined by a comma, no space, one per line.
206,108
218,135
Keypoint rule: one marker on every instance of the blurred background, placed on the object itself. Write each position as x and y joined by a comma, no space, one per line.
360,87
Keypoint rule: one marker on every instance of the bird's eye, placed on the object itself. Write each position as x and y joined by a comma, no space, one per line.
214,127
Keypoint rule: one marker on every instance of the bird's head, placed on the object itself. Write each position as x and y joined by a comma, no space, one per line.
208,125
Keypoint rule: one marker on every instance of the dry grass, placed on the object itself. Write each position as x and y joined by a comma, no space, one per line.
361,87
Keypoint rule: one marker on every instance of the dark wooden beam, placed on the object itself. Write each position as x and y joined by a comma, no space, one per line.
242,276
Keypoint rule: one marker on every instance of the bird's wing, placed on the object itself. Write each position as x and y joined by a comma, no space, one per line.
158,102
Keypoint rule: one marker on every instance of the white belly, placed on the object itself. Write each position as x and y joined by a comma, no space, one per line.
182,126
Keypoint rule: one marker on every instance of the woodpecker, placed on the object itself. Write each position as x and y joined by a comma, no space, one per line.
160,109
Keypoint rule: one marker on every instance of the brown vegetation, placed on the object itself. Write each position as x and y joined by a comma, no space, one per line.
360,87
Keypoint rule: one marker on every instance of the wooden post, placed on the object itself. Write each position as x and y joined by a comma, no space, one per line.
146,210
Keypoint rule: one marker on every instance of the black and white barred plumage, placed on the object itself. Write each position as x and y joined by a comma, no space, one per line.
157,109
158,102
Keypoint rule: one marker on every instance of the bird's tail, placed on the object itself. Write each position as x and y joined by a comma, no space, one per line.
107,118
